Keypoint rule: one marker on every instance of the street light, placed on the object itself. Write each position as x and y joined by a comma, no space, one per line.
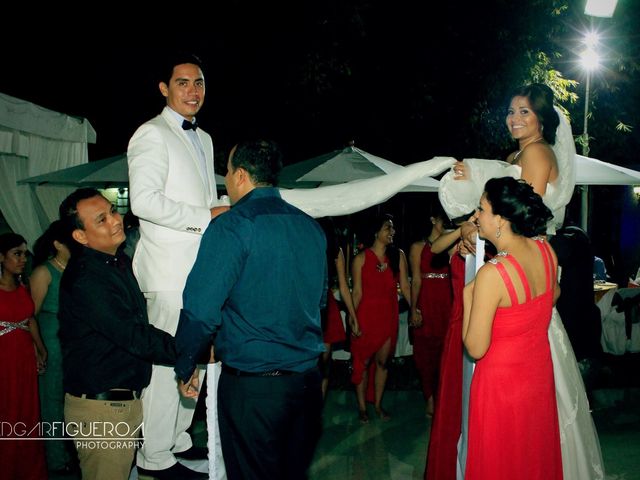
600,8
590,61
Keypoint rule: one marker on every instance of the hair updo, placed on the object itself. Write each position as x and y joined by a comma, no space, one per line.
541,99
516,201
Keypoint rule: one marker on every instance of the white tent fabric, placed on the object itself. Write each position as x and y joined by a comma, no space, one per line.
34,141
590,171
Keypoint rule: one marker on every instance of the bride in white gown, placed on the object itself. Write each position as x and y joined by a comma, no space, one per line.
459,193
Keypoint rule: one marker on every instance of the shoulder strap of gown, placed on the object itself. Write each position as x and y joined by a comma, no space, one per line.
507,283
523,277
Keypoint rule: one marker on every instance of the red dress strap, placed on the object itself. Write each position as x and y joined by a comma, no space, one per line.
523,278
507,282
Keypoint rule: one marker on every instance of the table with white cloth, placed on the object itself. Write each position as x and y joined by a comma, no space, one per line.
601,288
403,345
620,329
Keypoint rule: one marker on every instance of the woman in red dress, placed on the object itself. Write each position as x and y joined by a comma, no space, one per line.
332,326
513,417
376,273
447,419
430,306
19,360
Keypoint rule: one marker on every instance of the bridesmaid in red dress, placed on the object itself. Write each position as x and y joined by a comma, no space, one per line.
19,362
332,327
447,419
376,272
430,306
513,417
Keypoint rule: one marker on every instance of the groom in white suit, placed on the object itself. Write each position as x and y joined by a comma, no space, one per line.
173,192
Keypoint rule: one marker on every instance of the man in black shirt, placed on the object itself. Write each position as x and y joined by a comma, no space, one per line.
107,343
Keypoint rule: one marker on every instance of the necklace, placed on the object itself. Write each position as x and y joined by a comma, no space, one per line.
382,265
539,139
60,265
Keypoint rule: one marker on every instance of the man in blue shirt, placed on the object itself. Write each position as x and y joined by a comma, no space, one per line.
262,305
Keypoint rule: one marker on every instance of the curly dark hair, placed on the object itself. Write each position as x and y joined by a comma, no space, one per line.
516,201
541,99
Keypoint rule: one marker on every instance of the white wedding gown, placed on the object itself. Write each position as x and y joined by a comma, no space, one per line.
581,455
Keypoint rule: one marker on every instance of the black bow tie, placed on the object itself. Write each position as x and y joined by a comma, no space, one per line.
187,125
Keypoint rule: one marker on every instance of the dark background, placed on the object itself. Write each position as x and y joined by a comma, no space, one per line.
405,80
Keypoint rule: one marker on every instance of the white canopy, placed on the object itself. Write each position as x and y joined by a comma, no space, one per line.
35,141
590,171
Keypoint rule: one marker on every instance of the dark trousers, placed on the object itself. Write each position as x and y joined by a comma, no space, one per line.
269,426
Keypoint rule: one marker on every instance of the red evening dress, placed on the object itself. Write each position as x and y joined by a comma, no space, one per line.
333,328
19,403
513,417
447,419
377,315
434,301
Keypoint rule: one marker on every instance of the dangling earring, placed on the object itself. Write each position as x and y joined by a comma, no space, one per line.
498,232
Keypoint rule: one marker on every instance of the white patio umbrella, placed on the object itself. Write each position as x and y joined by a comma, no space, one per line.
590,171
341,166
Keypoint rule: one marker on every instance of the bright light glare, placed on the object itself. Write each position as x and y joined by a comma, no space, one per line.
591,39
600,8
590,59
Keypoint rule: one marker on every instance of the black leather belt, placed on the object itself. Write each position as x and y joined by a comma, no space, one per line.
270,373
109,395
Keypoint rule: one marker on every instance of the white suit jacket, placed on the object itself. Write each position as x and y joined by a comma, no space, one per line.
168,194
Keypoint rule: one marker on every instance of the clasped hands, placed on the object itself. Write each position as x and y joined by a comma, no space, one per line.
191,388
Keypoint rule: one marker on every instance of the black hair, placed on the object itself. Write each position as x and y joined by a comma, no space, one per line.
516,201
392,252
262,159
44,249
10,240
541,99
173,59
69,213
7,242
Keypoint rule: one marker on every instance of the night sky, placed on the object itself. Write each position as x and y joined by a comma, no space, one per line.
405,80
400,78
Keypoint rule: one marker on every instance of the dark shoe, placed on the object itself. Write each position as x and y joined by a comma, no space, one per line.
194,453
363,416
174,472
383,414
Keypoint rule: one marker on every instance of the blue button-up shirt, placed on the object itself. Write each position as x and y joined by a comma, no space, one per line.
258,284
